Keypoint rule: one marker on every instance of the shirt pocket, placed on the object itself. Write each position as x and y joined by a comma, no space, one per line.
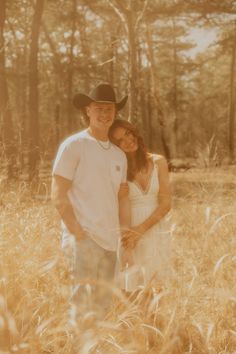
116,173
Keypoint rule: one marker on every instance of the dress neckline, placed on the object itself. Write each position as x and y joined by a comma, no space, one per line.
147,188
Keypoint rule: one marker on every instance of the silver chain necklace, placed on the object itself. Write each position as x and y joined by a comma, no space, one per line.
107,147
104,147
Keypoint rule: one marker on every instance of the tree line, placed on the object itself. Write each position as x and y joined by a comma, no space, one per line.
51,49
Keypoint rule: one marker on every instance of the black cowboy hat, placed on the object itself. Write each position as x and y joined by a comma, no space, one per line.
101,93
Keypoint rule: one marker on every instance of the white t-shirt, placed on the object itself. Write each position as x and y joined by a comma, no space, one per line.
96,174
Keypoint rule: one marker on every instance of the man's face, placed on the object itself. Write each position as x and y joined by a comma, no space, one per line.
101,115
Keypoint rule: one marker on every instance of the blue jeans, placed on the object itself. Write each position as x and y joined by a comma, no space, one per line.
93,271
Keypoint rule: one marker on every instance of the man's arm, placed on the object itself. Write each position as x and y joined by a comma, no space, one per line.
59,196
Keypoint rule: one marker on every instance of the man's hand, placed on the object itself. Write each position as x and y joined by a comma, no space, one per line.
60,188
79,234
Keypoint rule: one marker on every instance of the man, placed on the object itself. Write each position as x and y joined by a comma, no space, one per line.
87,175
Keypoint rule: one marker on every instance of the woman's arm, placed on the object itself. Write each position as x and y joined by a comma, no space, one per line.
164,196
124,206
131,238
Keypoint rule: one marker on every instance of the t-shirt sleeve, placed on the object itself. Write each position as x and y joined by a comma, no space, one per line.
124,171
67,159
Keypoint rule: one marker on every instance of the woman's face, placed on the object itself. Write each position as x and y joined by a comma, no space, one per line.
125,139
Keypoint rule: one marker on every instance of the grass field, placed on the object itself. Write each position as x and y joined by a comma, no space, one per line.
194,313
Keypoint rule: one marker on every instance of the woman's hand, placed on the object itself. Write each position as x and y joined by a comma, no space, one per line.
131,237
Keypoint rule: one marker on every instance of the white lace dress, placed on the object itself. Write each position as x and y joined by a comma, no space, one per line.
152,253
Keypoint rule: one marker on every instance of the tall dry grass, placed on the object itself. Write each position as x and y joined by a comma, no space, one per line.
194,312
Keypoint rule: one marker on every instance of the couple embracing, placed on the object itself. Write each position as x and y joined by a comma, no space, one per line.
112,196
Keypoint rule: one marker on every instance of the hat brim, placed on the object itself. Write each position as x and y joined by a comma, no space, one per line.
80,101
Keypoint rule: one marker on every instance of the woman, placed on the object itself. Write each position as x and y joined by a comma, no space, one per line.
148,240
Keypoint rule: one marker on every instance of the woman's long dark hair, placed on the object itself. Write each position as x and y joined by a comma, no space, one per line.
141,155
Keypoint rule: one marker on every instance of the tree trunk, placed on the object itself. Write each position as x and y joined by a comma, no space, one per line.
157,109
127,17
132,66
57,124
5,109
232,102
71,120
175,98
34,153
112,57
85,49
